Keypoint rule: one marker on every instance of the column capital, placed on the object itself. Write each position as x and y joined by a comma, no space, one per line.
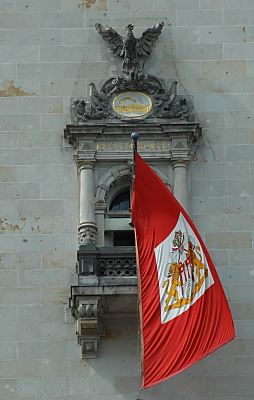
178,163
87,162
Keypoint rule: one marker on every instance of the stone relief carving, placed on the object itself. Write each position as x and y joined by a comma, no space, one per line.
166,103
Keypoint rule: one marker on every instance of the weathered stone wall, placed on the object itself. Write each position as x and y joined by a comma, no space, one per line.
49,52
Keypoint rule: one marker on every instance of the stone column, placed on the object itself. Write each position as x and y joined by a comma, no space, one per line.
180,169
100,211
87,226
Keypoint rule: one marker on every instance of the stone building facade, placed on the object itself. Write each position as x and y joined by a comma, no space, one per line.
50,52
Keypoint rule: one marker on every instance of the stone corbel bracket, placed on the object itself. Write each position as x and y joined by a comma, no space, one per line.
91,304
88,324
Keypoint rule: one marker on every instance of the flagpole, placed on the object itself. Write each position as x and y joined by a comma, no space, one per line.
135,137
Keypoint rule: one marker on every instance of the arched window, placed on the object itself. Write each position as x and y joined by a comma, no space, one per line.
121,202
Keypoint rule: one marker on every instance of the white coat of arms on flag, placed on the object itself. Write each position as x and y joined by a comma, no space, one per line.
183,271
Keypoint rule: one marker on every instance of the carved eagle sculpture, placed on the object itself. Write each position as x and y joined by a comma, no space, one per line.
131,49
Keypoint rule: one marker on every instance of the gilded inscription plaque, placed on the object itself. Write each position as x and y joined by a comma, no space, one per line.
132,105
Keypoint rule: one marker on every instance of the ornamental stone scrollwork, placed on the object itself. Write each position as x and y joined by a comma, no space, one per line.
135,94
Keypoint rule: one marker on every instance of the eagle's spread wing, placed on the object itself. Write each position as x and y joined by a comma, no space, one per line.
112,37
145,43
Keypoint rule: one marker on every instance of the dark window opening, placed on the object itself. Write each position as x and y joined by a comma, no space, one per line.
124,238
121,202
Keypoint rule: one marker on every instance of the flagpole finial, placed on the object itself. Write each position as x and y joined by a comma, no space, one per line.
135,137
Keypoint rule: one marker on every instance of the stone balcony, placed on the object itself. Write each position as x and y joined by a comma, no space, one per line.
107,289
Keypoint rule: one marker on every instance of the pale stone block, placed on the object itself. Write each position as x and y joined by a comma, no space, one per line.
53,260
228,136
223,68
19,20
8,261
208,170
64,88
212,119
20,369
8,209
8,388
238,16
199,52
220,257
242,311
85,70
238,384
54,387
30,260
185,34
14,54
210,223
39,313
238,169
206,17
227,205
35,5
243,296
244,85
39,71
41,105
242,258
240,152
250,68
8,71
56,190
55,295
65,19
41,350
42,37
207,86
41,278
80,37
19,156
238,51
68,53
197,206
39,139
244,366
22,296
43,242
19,123
8,37
19,190
239,222
175,4
225,4
8,279
221,34
244,330
229,240
40,208
8,351
64,368
28,387
53,122
8,313
241,187
213,366
7,104
41,173
211,187
8,173
224,102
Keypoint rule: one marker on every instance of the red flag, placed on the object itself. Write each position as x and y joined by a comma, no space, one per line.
184,314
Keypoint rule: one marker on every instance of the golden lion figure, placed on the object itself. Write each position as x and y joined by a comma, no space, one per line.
174,271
